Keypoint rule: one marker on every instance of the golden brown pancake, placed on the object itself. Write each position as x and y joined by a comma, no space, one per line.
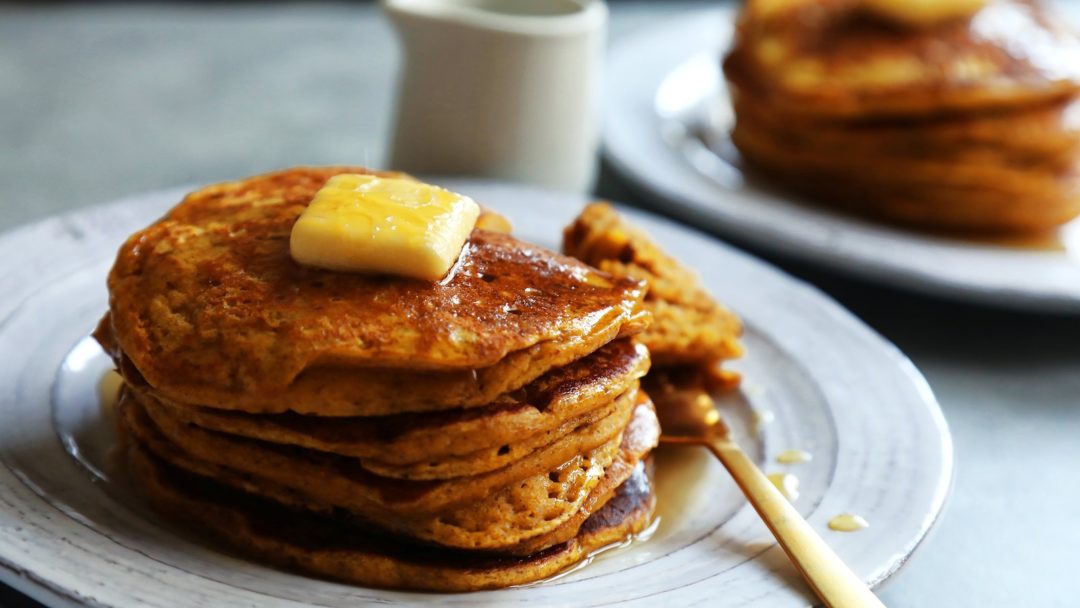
830,58
336,550
978,211
688,325
586,435
500,510
478,461
454,442
1043,132
344,482
960,197
1039,180
208,308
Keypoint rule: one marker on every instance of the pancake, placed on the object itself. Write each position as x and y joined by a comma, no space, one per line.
974,210
454,442
990,172
1043,132
1045,138
330,549
344,482
586,435
207,307
495,511
829,58
688,326
963,198
979,211
480,461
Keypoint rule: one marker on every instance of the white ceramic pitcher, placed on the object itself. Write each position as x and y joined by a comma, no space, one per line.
506,89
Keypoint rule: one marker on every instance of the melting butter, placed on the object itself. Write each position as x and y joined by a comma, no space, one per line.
787,483
794,457
366,223
847,522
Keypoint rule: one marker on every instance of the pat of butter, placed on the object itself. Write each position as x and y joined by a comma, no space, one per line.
365,223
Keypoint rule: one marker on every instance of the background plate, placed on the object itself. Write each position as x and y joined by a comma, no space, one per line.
665,123
72,532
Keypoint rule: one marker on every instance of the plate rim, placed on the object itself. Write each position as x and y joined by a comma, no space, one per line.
37,584
629,99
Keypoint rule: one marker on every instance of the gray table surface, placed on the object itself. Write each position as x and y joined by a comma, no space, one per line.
101,102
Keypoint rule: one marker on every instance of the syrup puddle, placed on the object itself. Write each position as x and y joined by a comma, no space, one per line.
109,391
678,471
762,419
848,522
605,552
794,457
787,483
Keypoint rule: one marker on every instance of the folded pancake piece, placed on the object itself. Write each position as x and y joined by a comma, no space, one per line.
689,326
208,307
545,506
453,442
328,548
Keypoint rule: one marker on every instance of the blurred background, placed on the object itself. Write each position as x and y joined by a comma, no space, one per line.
200,91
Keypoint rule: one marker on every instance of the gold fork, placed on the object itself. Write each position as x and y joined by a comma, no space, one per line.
689,417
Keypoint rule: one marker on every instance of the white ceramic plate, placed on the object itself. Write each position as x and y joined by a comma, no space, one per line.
72,532
666,121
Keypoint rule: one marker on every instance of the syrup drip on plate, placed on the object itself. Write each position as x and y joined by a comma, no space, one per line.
794,457
109,391
787,483
848,522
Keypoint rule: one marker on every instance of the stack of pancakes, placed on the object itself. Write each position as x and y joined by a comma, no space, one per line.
481,431
966,124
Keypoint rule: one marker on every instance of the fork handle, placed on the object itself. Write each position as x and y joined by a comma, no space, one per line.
828,576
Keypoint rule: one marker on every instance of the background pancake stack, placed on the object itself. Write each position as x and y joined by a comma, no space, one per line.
968,123
483,431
